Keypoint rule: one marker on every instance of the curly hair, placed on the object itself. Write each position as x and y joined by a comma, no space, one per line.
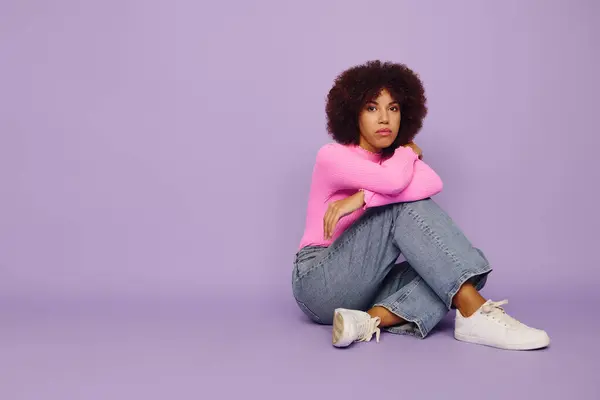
353,88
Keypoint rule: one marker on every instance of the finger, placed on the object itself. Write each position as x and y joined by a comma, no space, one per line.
334,222
328,218
328,223
325,224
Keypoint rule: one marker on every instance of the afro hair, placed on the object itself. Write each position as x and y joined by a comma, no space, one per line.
353,88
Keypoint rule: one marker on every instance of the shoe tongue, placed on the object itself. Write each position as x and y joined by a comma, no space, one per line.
491,306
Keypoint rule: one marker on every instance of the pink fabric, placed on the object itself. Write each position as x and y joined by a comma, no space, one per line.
341,170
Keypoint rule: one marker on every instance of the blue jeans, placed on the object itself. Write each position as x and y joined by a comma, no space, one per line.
359,270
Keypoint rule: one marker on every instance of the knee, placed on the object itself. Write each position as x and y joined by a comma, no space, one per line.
423,206
478,250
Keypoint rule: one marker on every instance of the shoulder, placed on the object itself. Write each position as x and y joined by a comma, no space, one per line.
331,151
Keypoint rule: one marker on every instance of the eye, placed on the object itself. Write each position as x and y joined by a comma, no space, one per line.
394,108
371,108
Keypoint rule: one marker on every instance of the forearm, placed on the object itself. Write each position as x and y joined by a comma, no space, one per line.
343,169
426,183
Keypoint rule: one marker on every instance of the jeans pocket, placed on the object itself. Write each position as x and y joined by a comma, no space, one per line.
307,258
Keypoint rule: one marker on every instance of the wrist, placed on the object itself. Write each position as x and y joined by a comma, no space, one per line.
366,196
361,195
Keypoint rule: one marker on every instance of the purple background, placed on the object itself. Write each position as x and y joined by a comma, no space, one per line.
155,159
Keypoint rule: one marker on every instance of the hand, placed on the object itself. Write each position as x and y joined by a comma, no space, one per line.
340,208
416,149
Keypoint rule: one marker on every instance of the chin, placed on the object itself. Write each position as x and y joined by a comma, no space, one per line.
387,142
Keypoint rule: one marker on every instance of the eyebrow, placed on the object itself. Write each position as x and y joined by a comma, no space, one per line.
374,102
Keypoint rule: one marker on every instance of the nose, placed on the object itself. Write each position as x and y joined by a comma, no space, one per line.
383,117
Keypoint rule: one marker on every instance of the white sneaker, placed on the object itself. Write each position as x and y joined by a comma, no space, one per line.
491,326
351,326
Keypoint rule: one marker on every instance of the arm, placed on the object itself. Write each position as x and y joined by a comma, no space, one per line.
426,183
343,169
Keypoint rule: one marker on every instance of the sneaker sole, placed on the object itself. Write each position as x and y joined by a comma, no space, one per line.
339,328
518,346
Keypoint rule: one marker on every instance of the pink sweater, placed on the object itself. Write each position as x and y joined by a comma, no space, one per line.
341,170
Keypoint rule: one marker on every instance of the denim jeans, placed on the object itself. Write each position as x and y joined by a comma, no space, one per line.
360,269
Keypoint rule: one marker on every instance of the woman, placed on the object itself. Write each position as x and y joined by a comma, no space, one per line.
370,201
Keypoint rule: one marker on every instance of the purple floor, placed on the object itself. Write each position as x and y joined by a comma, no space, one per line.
231,348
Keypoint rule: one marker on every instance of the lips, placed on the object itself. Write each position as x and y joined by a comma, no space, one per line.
384,132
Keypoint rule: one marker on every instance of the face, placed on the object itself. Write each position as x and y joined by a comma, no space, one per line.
379,122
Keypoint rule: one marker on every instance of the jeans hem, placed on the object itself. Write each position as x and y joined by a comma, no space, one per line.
422,333
461,281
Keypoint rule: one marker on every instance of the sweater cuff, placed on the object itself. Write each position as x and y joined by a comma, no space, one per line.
367,199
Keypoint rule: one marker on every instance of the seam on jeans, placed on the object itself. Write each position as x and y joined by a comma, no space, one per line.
299,262
468,274
308,312
305,309
411,286
306,259
401,300
334,247
436,239
394,307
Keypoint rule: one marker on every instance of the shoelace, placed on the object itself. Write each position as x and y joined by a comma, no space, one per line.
494,309
367,328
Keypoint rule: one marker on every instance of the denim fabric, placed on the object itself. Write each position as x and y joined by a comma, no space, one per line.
359,270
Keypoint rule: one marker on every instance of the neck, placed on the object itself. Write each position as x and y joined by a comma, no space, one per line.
367,146
367,154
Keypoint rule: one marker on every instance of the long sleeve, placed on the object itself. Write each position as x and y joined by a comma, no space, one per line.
344,169
425,183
